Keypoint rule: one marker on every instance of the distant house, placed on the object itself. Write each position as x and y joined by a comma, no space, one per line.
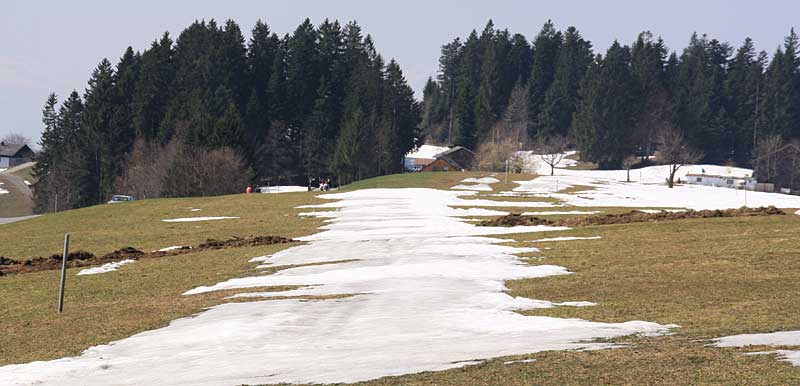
426,154
455,159
12,154
726,181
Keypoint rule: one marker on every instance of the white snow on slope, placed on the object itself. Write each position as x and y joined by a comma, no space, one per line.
648,189
483,180
108,267
283,189
782,338
431,297
172,248
3,191
797,213
475,187
194,219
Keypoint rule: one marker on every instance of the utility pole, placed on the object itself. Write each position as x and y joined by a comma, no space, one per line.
63,273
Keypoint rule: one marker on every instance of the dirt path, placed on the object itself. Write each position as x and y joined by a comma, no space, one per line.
19,200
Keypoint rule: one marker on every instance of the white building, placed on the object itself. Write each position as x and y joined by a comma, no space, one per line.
747,182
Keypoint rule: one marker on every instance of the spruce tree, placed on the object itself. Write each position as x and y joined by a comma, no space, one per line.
545,54
574,57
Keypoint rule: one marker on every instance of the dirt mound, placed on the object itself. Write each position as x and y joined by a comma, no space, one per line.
7,261
124,253
237,242
633,216
80,259
73,256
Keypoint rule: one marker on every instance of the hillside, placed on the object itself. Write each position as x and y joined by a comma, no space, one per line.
400,280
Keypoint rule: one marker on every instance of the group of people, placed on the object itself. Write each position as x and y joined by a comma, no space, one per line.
324,184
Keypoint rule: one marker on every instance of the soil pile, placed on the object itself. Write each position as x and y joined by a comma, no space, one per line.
634,216
80,259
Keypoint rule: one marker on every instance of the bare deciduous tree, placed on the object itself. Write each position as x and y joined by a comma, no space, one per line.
492,157
766,157
551,150
675,152
16,139
628,163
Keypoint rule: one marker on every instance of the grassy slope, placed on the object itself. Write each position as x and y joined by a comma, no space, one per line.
711,276
141,296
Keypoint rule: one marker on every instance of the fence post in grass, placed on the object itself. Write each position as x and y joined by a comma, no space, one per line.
63,273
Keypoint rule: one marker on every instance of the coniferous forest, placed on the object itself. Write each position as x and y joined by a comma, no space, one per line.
724,100
212,111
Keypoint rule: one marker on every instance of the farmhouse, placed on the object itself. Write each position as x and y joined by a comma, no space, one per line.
456,159
727,181
14,154
426,154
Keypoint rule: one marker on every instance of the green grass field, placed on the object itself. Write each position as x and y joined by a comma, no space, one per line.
713,277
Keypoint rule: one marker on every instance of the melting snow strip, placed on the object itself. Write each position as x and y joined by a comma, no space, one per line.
193,219
519,361
475,187
108,267
781,338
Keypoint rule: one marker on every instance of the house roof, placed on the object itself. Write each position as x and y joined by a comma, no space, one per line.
453,150
718,176
11,149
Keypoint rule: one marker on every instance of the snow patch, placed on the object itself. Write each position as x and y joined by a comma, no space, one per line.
108,267
484,180
427,152
608,188
27,182
475,187
194,210
519,361
172,248
282,189
193,219
781,338
797,213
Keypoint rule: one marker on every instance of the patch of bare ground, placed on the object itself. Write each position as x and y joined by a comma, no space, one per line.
634,216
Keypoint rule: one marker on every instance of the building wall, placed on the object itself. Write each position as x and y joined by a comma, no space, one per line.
5,162
726,182
439,165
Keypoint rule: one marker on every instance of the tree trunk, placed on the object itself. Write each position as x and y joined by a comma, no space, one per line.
552,170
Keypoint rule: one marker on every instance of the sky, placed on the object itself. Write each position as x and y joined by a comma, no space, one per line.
52,46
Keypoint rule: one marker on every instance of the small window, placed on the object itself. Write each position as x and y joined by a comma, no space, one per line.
699,179
730,182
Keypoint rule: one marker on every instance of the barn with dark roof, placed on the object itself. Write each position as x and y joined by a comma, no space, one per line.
12,154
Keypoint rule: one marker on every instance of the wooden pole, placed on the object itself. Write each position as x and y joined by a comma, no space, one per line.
63,273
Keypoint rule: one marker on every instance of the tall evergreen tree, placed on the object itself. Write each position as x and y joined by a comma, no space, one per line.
558,106
545,54
606,114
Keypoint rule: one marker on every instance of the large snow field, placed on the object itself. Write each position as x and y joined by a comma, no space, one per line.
428,294
782,338
647,189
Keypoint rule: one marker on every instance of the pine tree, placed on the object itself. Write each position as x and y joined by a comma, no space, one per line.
742,88
485,117
466,94
101,138
153,90
545,54
649,67
606,114
574,57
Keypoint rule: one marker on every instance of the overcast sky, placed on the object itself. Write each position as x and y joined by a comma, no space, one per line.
52,46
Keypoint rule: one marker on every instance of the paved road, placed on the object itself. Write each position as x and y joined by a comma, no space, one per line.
9,220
